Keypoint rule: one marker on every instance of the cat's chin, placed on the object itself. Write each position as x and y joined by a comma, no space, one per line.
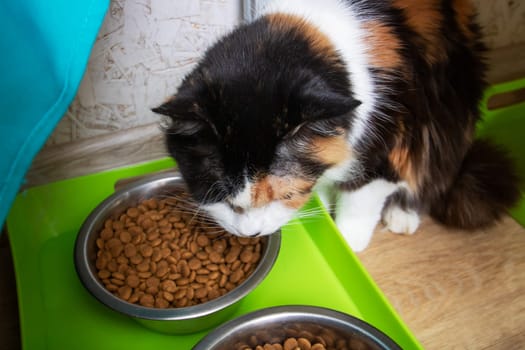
253,222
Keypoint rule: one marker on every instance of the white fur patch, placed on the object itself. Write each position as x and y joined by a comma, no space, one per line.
358,212
244,198
340,23
401,221
254,221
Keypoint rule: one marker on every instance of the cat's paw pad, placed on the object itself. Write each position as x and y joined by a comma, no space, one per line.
356,232
401,221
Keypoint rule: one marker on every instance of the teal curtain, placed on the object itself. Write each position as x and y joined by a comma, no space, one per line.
44,49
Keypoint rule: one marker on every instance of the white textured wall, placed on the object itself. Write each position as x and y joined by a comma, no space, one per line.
503,21
144,49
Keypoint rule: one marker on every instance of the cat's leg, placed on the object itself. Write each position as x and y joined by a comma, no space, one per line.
326,192
400,213
359,211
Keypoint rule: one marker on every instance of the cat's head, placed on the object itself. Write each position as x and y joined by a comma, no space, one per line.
254,126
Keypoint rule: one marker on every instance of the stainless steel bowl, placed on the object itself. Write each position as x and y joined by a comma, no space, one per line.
173,320
276,324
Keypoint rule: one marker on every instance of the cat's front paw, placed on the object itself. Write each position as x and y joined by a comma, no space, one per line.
401,221
356,231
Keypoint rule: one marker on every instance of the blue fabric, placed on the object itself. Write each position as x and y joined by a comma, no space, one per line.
44,49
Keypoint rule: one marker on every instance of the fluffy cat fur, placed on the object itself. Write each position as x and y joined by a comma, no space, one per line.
373,100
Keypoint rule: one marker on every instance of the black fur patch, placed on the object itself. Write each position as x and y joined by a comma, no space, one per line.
254,90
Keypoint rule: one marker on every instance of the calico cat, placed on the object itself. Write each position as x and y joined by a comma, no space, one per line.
376,100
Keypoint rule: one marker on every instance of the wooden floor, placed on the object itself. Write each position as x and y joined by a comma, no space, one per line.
454,290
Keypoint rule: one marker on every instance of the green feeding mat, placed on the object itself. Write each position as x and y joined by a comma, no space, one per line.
314,267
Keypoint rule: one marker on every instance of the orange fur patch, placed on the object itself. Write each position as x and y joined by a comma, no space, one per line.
425,18
384,52
400,159
292,191
464,12
331,150
319,42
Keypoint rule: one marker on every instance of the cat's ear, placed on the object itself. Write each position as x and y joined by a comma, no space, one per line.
317,101
186,117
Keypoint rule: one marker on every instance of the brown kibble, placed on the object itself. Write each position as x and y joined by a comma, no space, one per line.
122,260
202,240
132,212
161,303
201,292
147,300
194,264
125,292
106,233
146,250
219,246
112,266
134,298
100,243
136,259
168,296
152,282
183,302
304,344
318,346
103,274
233,254
145,274
194,247
133,281
118,275
125,237
183,281
143,266
101,262
236,276
156,242
179,294
162,271
111,287
246,255
168,286
223,281
156,257
215,257
290,344
165,252
130,250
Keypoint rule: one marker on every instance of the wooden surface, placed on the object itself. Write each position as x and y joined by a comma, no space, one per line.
454,289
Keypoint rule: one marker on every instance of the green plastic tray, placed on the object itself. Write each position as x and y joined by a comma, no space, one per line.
314,267
506,126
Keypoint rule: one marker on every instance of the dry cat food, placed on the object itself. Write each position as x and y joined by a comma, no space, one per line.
160,254
288,344
298,337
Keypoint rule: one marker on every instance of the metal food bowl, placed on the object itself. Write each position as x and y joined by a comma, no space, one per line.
276,324
172,320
